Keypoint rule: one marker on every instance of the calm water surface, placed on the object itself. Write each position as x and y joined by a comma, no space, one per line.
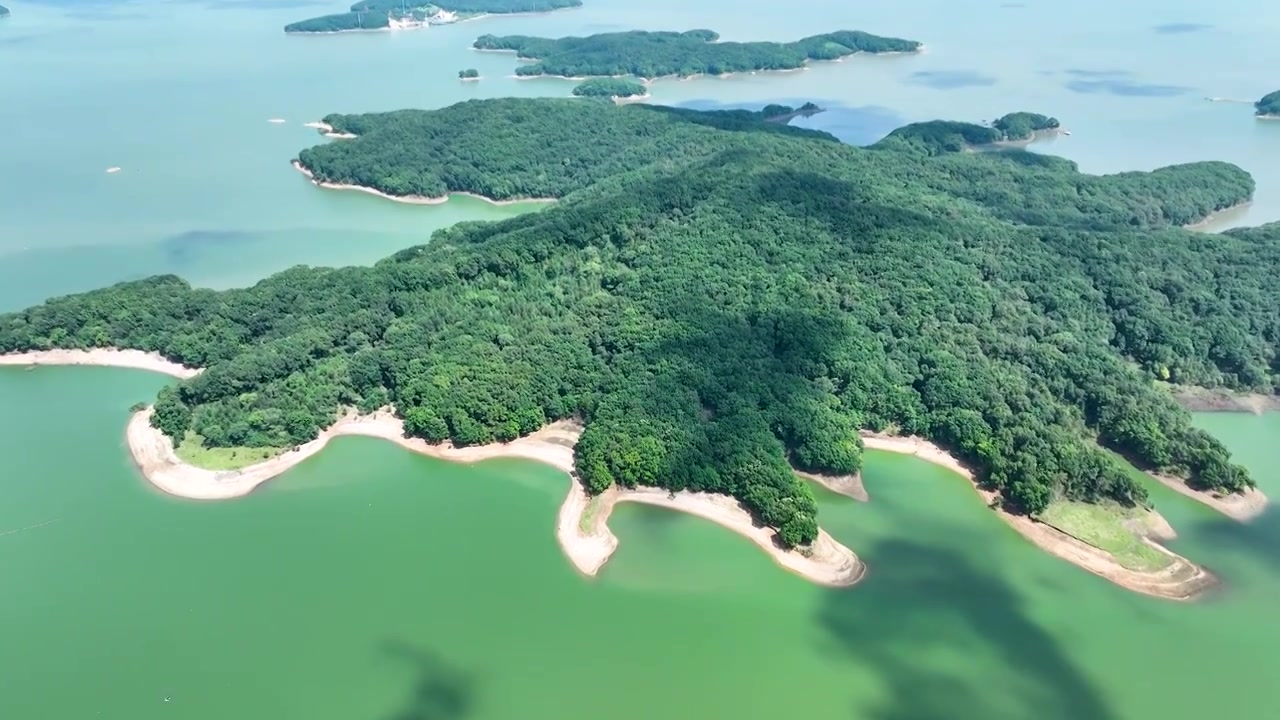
371,583
178,94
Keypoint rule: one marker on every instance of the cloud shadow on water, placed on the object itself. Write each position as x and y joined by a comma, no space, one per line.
1259,539
951,79
1181,28
440,690
1119,83
932,606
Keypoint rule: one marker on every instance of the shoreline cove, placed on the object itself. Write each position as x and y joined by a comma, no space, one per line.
1181,580
826,562
1217,215
581,528
412,199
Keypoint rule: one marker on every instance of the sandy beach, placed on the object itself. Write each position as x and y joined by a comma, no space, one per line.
1181,580
1241,507
827,562
847,485
327,130
412,199
108,357
1218,215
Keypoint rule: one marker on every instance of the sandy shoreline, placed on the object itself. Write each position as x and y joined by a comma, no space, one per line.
827,562
107,357
1182,580
412,199
1217,215
830,563
847,485
327,130
1241,507
1199,399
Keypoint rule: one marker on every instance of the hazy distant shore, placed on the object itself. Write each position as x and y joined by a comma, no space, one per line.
1181,580
807,64
411,199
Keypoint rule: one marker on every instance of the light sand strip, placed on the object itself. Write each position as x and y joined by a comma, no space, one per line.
1181,580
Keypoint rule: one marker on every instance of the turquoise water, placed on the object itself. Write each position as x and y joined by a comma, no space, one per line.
369,582
178,95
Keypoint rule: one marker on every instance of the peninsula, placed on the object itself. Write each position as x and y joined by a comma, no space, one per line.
945,136
1269,106
718,299
684,54
582,529
404,14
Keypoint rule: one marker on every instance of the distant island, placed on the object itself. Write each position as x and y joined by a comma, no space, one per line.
937,137
610,88
718,301
4,11
469,74
684,54
1269,106
402,14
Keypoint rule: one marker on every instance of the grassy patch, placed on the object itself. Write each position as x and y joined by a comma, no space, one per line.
587,521
193,451
1110,527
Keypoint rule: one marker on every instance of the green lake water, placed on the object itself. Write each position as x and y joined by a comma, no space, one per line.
370,583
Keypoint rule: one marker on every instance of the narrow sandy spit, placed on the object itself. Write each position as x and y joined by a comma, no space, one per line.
1182,580
108,357
1241,507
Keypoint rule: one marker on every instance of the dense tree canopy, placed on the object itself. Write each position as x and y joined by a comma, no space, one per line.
610,88
374,14
469,74
938,137
656,54
1269,104
718,298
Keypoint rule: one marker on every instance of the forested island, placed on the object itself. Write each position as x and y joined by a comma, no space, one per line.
469,74
4,11
380,14
1268,106
720,299
610,88
695,52
946,136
